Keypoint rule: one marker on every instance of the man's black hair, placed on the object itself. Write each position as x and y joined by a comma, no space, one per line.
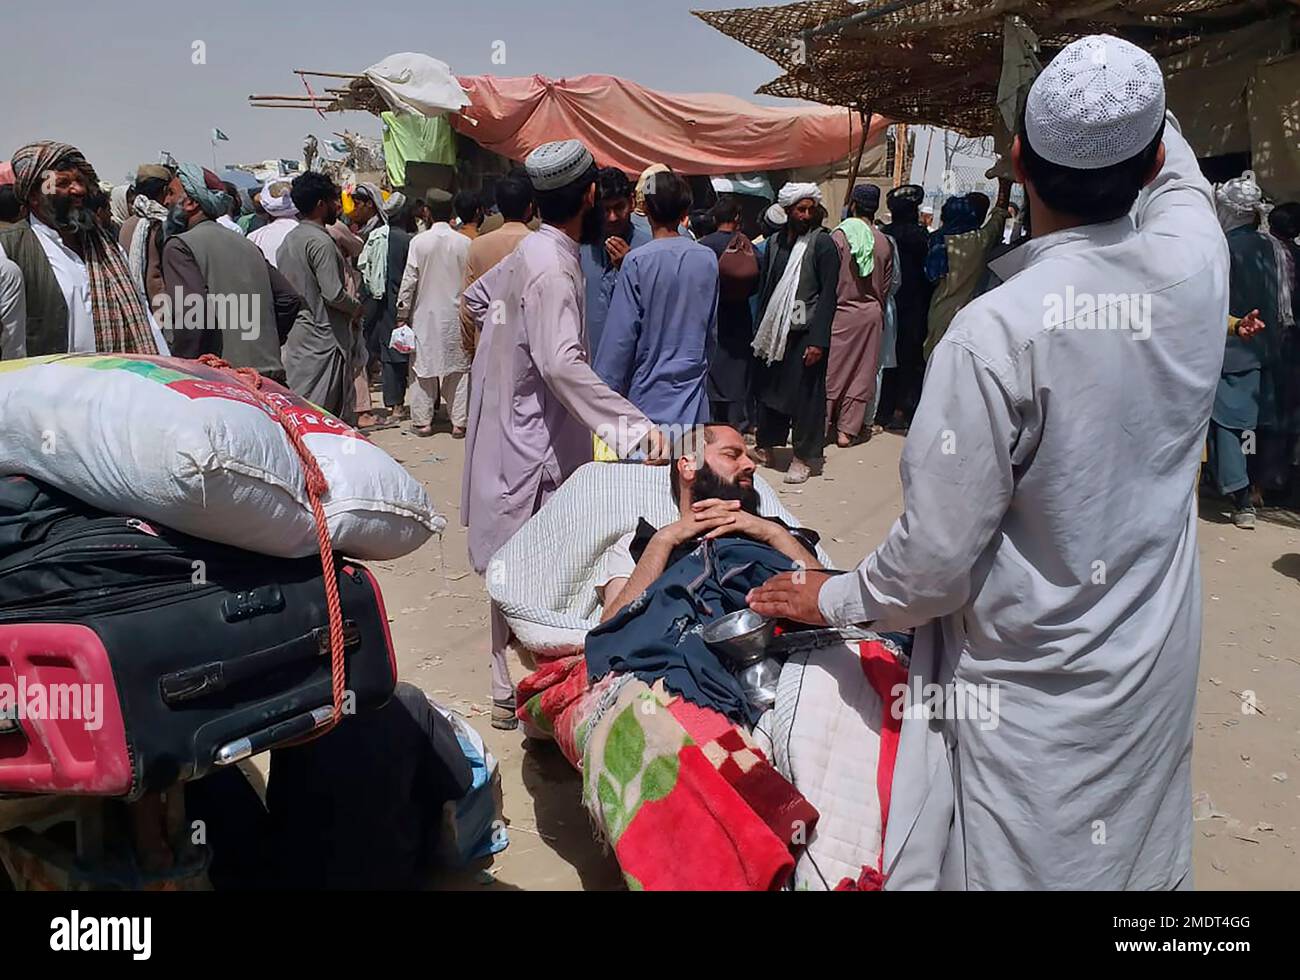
309,189
684,447
667,198
1090,196
440,209
1284,221
905,212
564,203
980,204
10,206
612,183
703,223
154,188
236,205
725,212
467,206
403,218
514,195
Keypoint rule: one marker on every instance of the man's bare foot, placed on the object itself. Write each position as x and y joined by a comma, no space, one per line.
843,441
424,431
457,432
366,419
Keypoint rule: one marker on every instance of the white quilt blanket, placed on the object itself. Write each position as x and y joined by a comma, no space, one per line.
824,736
544,578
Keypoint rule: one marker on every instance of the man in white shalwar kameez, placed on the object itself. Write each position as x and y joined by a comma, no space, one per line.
429,300
1047,555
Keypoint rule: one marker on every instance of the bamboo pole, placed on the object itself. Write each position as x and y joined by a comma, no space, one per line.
900,153
325,74
865,116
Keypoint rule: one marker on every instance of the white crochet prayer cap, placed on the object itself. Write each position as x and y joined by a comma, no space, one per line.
1100,102
556,164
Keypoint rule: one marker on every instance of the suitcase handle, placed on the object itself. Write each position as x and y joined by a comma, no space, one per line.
272,735
217,675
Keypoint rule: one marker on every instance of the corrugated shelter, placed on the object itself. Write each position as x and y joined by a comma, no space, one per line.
940,61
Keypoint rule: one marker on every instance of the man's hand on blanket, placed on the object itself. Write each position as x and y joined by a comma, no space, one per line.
792,596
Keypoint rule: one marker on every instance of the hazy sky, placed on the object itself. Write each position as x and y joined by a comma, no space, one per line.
115,78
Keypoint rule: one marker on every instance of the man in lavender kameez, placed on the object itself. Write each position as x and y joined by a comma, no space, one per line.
534,399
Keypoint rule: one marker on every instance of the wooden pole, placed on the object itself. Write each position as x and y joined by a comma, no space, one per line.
900,153
862,147
325,74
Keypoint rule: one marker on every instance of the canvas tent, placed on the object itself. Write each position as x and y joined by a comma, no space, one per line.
625,125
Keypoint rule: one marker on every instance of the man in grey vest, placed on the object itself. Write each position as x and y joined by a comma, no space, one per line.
799,276
221,296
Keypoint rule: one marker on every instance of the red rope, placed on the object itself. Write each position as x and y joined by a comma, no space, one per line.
317,486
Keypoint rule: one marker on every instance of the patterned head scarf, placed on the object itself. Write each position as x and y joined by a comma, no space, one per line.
117,307
377,199
205,189
31,162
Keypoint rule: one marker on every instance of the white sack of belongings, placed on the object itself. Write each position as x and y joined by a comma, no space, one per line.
192,447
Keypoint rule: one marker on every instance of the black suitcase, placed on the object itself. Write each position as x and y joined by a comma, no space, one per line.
214,653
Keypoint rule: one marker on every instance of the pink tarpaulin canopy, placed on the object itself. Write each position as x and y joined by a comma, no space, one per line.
628,126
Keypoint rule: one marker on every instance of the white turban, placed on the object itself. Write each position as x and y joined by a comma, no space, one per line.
776,215
275,199
1239,201
792,192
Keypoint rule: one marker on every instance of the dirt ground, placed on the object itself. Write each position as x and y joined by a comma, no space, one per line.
1246,771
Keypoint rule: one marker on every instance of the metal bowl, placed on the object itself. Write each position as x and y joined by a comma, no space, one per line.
741,637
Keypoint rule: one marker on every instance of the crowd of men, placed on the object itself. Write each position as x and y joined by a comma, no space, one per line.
804,334
583,313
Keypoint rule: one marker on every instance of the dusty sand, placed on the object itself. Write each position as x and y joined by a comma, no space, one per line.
1248,764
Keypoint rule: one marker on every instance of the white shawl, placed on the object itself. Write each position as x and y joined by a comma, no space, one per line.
774,330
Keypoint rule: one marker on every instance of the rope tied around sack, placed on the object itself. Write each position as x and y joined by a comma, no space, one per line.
316,486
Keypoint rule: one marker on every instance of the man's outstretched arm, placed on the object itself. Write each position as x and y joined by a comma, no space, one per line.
957,484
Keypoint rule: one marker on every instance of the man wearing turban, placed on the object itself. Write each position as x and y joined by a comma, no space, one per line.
222,297
80,293
801,268
1246,403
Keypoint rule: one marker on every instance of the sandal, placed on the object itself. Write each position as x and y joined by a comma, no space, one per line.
503,715
423,431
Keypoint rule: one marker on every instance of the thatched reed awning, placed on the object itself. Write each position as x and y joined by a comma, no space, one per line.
939,61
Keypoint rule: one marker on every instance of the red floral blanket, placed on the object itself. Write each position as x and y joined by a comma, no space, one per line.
684,797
